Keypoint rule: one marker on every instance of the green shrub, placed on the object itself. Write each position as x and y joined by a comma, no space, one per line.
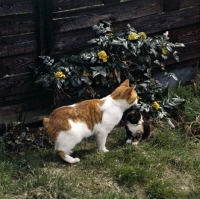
113,57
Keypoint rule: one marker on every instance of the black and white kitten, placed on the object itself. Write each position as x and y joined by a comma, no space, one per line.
136,128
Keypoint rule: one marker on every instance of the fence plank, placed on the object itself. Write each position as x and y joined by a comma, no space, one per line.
189,33
10,7
17,64
67,21
60,5
73,40
188,3
29,104
49,31
110,1
15,84
16,45
171,5
190,51
34,100
164,21
17,24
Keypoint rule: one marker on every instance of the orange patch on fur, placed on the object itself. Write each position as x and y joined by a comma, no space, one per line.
61,154
87,111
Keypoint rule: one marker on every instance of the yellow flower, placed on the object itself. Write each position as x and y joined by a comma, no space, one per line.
156,105
86,74
102,55
132,36
142,34
164,51
60,74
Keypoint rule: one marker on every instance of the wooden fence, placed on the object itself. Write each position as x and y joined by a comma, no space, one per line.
29,28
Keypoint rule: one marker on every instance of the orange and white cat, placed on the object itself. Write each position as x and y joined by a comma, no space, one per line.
68,125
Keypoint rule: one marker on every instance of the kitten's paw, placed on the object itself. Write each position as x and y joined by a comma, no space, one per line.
129,141
135,143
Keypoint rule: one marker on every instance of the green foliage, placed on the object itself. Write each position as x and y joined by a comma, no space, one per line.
112,58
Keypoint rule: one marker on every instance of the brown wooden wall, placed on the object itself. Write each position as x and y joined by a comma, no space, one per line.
29,28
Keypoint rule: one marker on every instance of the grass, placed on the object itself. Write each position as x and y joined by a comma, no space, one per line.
166,167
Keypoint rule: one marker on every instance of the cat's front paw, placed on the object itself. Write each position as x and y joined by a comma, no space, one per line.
104,149
135,143
129,141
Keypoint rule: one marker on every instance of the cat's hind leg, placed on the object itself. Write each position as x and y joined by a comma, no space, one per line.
67,157
64,144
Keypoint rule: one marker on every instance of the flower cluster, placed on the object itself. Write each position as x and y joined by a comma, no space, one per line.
102,55
60,74
142,35
132,36
113,57
164,51
156,106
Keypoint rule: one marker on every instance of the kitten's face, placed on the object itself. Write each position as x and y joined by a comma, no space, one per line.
134,117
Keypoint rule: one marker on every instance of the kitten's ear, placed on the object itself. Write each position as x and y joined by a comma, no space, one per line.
125,83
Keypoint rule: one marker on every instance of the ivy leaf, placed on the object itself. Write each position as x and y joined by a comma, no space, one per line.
147,59
139,44
169,48
130,77
122,65
130,28
179,45
148,73
157,62
160,115
93,41
86,80
175,54
140,59
170,75
60,83
154,52
170,123
95,73
143,85
98,70
115,42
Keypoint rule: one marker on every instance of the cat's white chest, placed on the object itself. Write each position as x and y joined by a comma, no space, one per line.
133,128
112,114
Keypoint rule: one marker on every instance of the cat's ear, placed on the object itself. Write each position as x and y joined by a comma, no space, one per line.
125,83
